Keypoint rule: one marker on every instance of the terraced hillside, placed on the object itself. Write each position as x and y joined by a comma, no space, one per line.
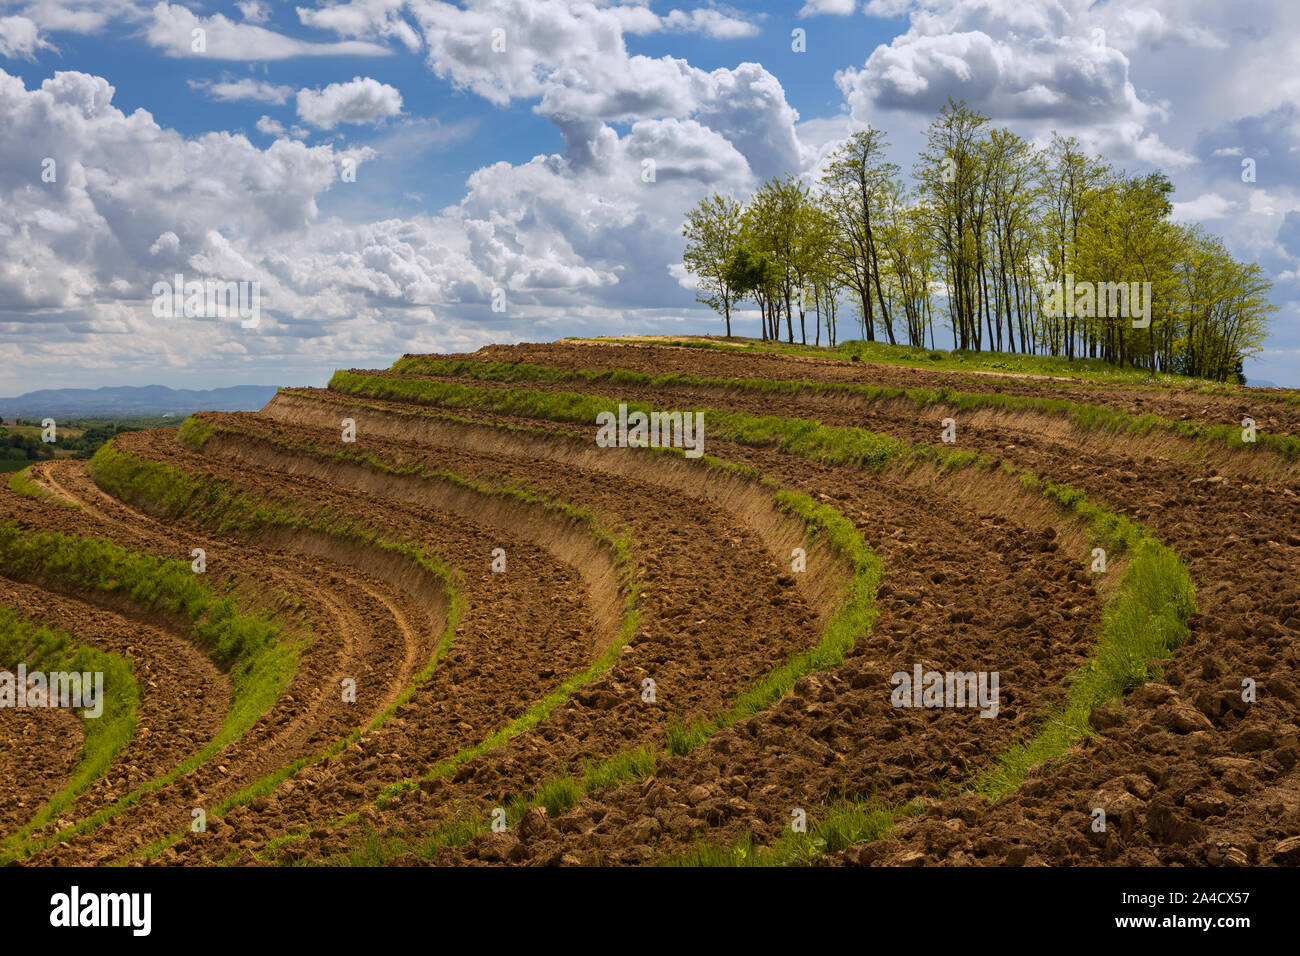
424,616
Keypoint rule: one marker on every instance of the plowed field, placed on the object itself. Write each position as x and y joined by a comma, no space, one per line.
889,616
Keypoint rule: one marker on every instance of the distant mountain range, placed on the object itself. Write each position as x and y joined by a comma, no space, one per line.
118,400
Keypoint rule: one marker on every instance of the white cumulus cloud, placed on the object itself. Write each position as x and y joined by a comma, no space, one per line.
245,88
179,32
361,100
20,38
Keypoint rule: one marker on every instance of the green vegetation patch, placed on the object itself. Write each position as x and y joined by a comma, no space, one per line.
837,827
20,483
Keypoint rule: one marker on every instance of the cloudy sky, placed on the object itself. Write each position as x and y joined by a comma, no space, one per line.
385,168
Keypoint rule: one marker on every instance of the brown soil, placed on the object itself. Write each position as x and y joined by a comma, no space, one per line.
700,650
41,749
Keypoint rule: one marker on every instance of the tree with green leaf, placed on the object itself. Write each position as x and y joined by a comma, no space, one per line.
713,234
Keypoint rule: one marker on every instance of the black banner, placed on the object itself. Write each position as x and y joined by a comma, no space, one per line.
149,905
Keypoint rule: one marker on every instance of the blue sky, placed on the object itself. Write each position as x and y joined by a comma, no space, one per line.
518,169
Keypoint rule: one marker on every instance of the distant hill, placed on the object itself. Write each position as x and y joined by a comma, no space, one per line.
114,400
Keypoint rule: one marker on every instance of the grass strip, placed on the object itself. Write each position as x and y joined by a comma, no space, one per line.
839,826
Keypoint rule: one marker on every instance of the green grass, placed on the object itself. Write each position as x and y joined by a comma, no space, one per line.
560,795
45,649
195,432
623,767
20,483
373,849
833,829
1086,369
683,737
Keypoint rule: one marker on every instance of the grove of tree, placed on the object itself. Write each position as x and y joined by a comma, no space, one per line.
988,226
